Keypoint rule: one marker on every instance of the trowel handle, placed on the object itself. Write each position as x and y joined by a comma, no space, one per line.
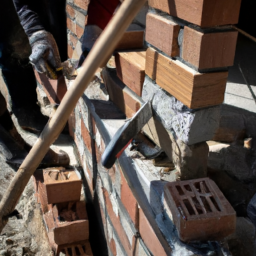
116,146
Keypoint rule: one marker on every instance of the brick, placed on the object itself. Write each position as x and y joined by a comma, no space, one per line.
202,13
199,210
211,50
121,95
71,25
70,11
68,223
193,89
80,19
163,34
79,31
149,236
112,246
83,4
86,136
73,40
131,69
129,201
118,226
70,51
62,185
131,40
54,89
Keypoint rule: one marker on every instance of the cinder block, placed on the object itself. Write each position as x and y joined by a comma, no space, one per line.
162,33
209,50
149,236
61,185
193,89
131,69
202,13
55,89
199,210
68,223
189,126
122,96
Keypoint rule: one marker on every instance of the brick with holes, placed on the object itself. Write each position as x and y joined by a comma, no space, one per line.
199,210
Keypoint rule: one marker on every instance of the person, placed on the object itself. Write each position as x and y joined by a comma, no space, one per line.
16,50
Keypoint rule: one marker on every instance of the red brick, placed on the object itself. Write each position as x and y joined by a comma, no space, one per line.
86,136
70,51
212,50
82,3
119,94
199,210
148,235
131,69
61,185
73,228
129,201
79,31
70,11
55,89
112,246
118,226
131,40
193,89
203,13
163,34
71,25
88,176
73,40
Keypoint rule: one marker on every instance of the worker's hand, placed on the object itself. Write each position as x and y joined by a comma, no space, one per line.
45,54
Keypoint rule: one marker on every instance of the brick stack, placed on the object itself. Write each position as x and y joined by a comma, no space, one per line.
58,191
76,20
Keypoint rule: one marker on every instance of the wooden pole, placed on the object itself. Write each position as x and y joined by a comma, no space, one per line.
103,48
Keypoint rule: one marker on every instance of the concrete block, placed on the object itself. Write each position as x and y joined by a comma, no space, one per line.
190,126
199,210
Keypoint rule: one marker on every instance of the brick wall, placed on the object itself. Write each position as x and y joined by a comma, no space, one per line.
176,69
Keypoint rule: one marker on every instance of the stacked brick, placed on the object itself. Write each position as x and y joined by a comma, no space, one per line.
58,191
76,11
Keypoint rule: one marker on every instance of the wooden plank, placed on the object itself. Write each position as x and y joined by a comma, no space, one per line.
203,13
211,50
163,34
130,68
193,89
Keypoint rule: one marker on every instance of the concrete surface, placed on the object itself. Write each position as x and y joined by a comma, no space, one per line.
237,92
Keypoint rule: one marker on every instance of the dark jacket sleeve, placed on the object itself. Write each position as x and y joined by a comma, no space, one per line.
29,18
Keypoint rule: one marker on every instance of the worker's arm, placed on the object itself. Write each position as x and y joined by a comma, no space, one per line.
45,55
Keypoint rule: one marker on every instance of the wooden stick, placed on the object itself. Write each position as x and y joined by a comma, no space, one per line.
103,48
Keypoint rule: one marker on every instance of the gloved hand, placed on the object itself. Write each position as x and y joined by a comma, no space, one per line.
45,54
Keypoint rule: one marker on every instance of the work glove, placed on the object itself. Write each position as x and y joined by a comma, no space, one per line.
45,54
